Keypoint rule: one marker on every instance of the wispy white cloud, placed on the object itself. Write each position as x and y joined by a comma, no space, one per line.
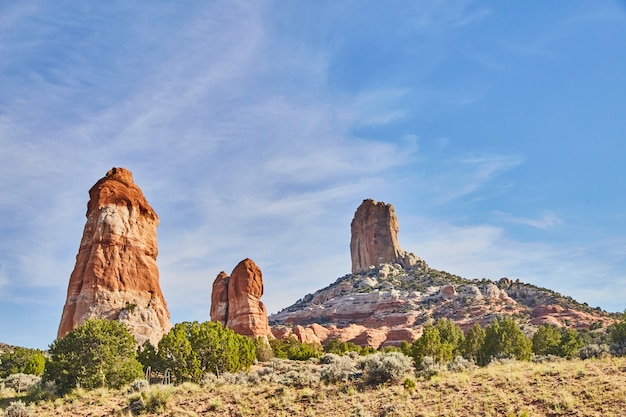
547,220
234,170
460,177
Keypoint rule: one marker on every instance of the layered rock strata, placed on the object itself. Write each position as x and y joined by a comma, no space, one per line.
387,304
374,238
116,276
236,300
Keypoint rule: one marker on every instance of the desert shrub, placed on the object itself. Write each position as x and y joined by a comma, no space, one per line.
239,378
253,378
191,349
208,379
546,358
294,350
42,391
17,409
263,349
329,358
339,348
23,361
156,399
302,378
429,367
359,411
405,347
337,368
21,382
409,384
228,378
98,353
460,364
139,385
385,367
594,351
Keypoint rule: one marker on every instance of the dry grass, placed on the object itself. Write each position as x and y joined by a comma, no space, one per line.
568,388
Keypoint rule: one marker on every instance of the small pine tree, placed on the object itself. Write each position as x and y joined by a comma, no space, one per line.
191,349
429,344
546,340
473,343
505,340
100,353
618,337
451,334
571,342
442,342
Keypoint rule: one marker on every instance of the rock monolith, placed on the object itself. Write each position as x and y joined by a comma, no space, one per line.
236,300
374,238
116,276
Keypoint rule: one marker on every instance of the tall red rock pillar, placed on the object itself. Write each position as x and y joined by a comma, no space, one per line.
116,275
236,300
374,238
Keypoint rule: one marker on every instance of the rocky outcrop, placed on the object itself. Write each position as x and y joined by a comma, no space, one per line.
358,334
116,276
392,294
388,304
374,238
219,298
236,300
559,316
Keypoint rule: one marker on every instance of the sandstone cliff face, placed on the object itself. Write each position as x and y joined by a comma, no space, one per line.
236,300
219,298
116,276
374,238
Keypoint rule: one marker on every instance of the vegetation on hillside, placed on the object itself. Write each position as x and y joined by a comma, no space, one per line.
208,362
21,360
420,278
594,388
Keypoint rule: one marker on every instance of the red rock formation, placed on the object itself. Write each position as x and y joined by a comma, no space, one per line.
391,295
357,334
219,298
375,237
116,276
236,303
558,316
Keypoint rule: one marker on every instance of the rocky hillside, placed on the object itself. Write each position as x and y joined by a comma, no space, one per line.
390,303
391,294
4,347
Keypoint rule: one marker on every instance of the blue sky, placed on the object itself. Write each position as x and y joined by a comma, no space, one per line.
256,128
